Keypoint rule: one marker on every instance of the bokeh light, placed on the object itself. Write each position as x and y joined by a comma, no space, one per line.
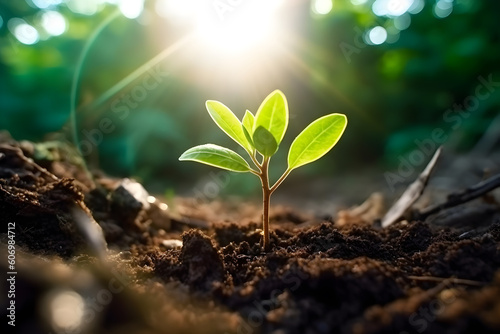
402,22
1,21
44,4
443,8
321,7
24,32
358,2
54,23
377,35
84,7
393,34
131,8
67,310
416,7
391,7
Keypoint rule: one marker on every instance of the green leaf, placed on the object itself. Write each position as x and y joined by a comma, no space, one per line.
217,156
316,140
228,122
247,124
273,115
264,142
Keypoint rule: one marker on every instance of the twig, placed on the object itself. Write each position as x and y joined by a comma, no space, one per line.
442,280
411,194
462,197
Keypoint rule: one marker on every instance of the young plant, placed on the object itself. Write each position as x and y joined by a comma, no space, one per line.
260,136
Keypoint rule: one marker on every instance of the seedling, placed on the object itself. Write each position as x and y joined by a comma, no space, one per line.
260,136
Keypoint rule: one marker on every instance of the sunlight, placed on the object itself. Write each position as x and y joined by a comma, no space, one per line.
225,26
131,9
178,11
237,26
302,69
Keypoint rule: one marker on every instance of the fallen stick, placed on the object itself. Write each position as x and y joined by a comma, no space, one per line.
464,196
411,194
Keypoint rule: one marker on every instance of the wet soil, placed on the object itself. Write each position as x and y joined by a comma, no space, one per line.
319,277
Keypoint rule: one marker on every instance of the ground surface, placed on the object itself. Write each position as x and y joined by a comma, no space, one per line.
320,277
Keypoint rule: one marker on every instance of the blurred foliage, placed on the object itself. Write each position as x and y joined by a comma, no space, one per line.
393,93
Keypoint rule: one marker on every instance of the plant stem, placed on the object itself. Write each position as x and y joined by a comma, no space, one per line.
266,196
254,159
280,180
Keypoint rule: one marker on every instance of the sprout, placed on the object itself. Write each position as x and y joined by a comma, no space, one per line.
260,136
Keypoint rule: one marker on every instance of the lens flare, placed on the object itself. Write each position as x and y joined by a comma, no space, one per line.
131,8
237,26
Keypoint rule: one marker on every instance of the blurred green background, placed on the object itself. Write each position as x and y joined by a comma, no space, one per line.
141,71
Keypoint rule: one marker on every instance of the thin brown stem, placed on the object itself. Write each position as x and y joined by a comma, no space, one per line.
255,172
280,180
266,195
267,191
255,161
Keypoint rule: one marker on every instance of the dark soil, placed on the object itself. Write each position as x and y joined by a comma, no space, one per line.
413,277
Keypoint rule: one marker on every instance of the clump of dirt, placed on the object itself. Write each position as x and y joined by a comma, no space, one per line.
38,203
198,264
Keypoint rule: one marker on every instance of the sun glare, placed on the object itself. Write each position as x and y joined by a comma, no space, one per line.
240,27
131,8
227,25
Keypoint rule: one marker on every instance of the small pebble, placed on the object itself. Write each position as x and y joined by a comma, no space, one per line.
126,255
172,243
